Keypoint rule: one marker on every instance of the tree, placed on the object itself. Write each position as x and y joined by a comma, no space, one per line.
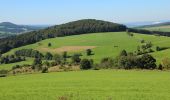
58,58
147,62
37,64
48,56
89,52
76,58
49,44
128,62
64,55
85,64
123,53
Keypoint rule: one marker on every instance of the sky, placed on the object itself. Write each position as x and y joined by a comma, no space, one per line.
36,12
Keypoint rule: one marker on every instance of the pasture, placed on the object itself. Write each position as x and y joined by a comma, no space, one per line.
102,44
88,85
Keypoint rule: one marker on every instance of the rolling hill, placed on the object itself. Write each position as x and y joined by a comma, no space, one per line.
9,29
103,45
163,27
71,28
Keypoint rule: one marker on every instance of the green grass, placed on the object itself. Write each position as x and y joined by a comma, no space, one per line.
88,85
104,43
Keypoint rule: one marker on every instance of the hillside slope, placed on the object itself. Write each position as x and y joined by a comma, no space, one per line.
102,44
72,28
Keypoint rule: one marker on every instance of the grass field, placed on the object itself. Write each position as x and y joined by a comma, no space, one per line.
88,85
103,45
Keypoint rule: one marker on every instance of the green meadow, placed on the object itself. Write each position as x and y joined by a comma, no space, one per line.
88,85
103,45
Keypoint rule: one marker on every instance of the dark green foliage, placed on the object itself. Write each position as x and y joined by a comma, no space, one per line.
161,48
160,67
3,73
48,56
44,70
72,28
86,64
127,62
123,53
37,64
142,31
64,55
89,52
46,63
11,59
142,41
49,44
76,58
29,53
147,62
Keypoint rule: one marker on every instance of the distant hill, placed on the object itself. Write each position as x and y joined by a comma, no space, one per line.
162,27
8,29
71,28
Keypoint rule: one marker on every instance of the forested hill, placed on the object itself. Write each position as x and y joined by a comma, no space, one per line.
71,28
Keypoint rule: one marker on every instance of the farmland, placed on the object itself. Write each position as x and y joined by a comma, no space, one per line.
88,85
102,44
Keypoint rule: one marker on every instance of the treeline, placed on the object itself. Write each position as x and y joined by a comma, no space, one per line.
29,53
142,31
11,59
72,28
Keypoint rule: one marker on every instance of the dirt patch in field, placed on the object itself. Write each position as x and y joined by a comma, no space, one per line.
67,48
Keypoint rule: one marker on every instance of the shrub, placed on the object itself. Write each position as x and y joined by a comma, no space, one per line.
44,70
58,58
3,73
48,56
49,44
160,67
76,58
166,63
147,62
123,53
89,52
85,64
106,63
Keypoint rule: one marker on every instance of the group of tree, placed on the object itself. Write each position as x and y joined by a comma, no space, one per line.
72,28
11,59
145,48
129,61
29,53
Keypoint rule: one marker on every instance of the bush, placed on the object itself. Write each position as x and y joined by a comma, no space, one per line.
89,52
48,56
85,64
44,70
147,62
106,63
49,44
3,73
76,58
160,67
166,63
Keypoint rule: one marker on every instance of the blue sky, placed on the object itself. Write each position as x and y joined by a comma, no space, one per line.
61,11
